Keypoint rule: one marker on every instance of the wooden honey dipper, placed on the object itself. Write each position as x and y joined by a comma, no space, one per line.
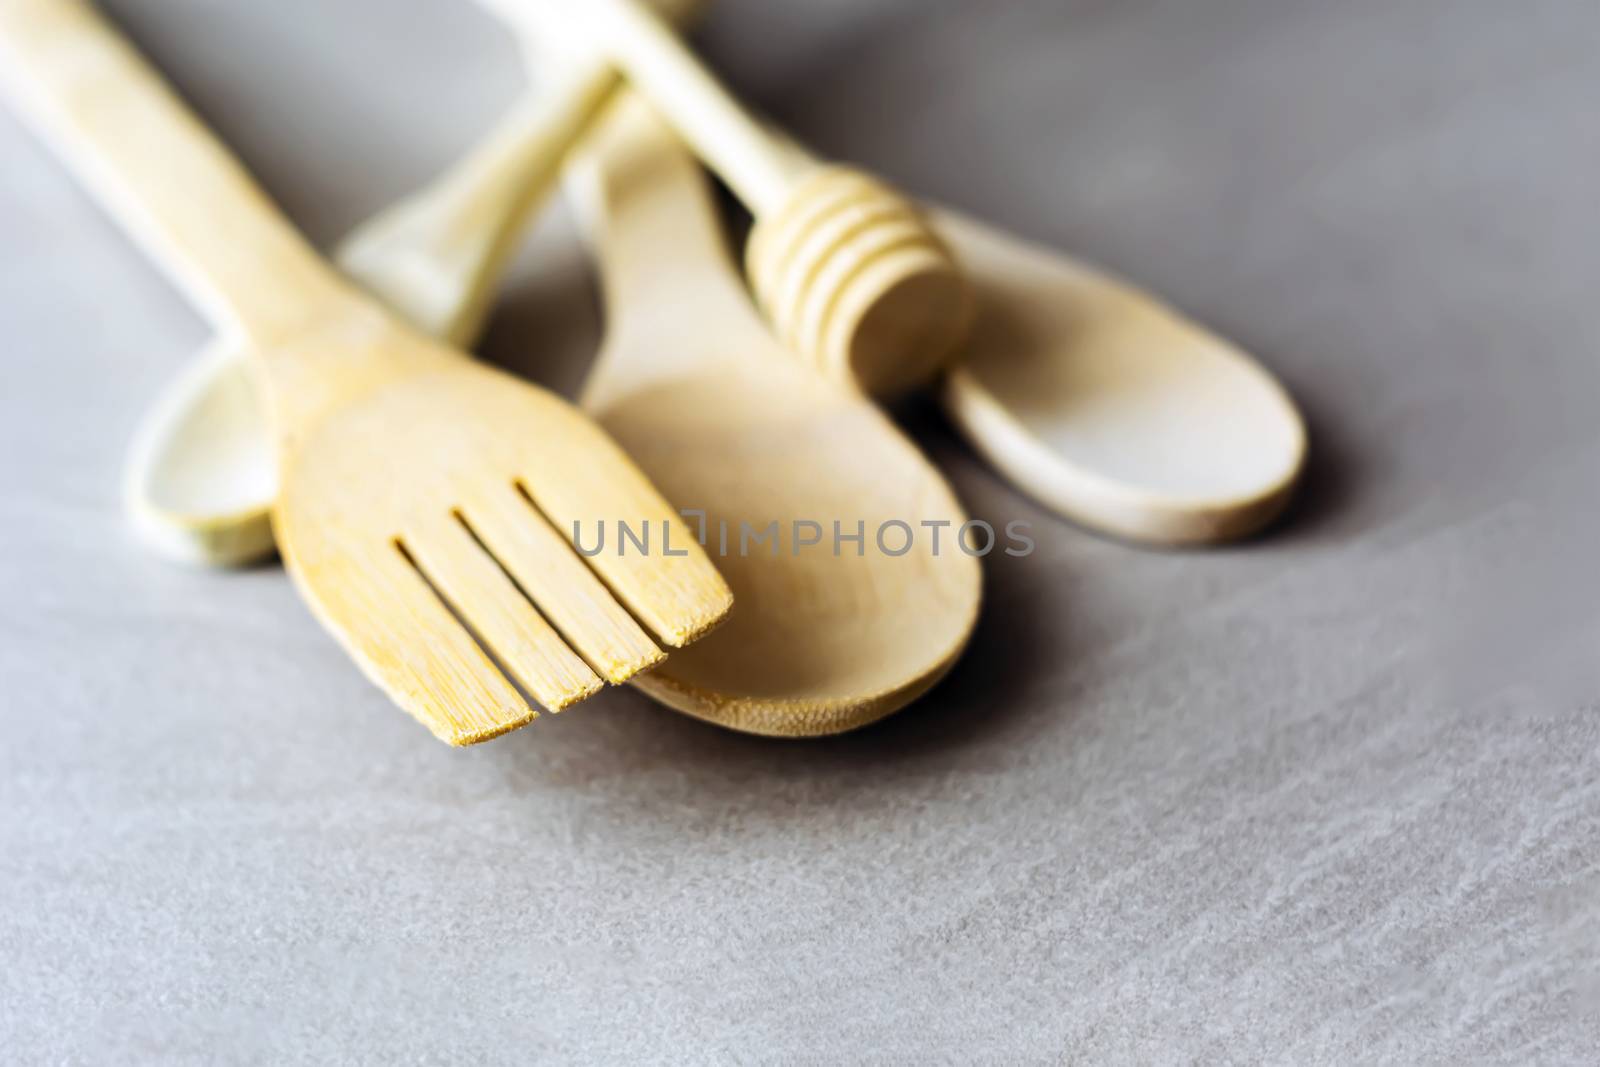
847,270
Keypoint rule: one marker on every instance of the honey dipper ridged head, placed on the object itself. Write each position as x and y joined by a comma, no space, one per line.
853,279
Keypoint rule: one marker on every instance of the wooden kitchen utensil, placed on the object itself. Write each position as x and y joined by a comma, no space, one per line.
416,488
1111,408
845,268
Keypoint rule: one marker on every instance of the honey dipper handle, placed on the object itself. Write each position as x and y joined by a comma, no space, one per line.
155,166
728,138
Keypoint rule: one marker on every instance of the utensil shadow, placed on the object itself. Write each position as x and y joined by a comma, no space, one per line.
1327,500
978,707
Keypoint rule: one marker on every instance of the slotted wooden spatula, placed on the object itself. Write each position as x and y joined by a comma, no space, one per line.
424,499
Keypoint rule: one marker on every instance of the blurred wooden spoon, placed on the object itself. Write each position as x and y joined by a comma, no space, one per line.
1111,408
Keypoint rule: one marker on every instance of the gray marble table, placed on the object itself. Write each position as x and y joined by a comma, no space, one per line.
1329,797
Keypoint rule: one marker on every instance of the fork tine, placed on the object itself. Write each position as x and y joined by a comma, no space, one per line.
576,602
678,594
475,586
408,643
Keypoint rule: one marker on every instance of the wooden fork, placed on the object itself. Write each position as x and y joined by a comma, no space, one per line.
425,500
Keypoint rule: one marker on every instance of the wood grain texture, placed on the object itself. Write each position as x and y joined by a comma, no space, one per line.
1328,799
369,517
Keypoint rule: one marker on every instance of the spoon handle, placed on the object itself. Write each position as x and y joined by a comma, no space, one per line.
156,168
610,185
435,256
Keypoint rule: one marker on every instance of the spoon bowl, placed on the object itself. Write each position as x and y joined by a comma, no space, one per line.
829,635
1111,408
202,473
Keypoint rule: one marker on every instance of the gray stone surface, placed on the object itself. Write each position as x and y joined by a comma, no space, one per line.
1329,797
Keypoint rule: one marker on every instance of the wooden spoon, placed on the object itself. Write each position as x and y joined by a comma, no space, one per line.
692,383
846,269
1111,408
417,488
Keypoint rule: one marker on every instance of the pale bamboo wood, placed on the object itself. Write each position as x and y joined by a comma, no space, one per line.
693,384
216,233
1111,408
847,269
389,446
